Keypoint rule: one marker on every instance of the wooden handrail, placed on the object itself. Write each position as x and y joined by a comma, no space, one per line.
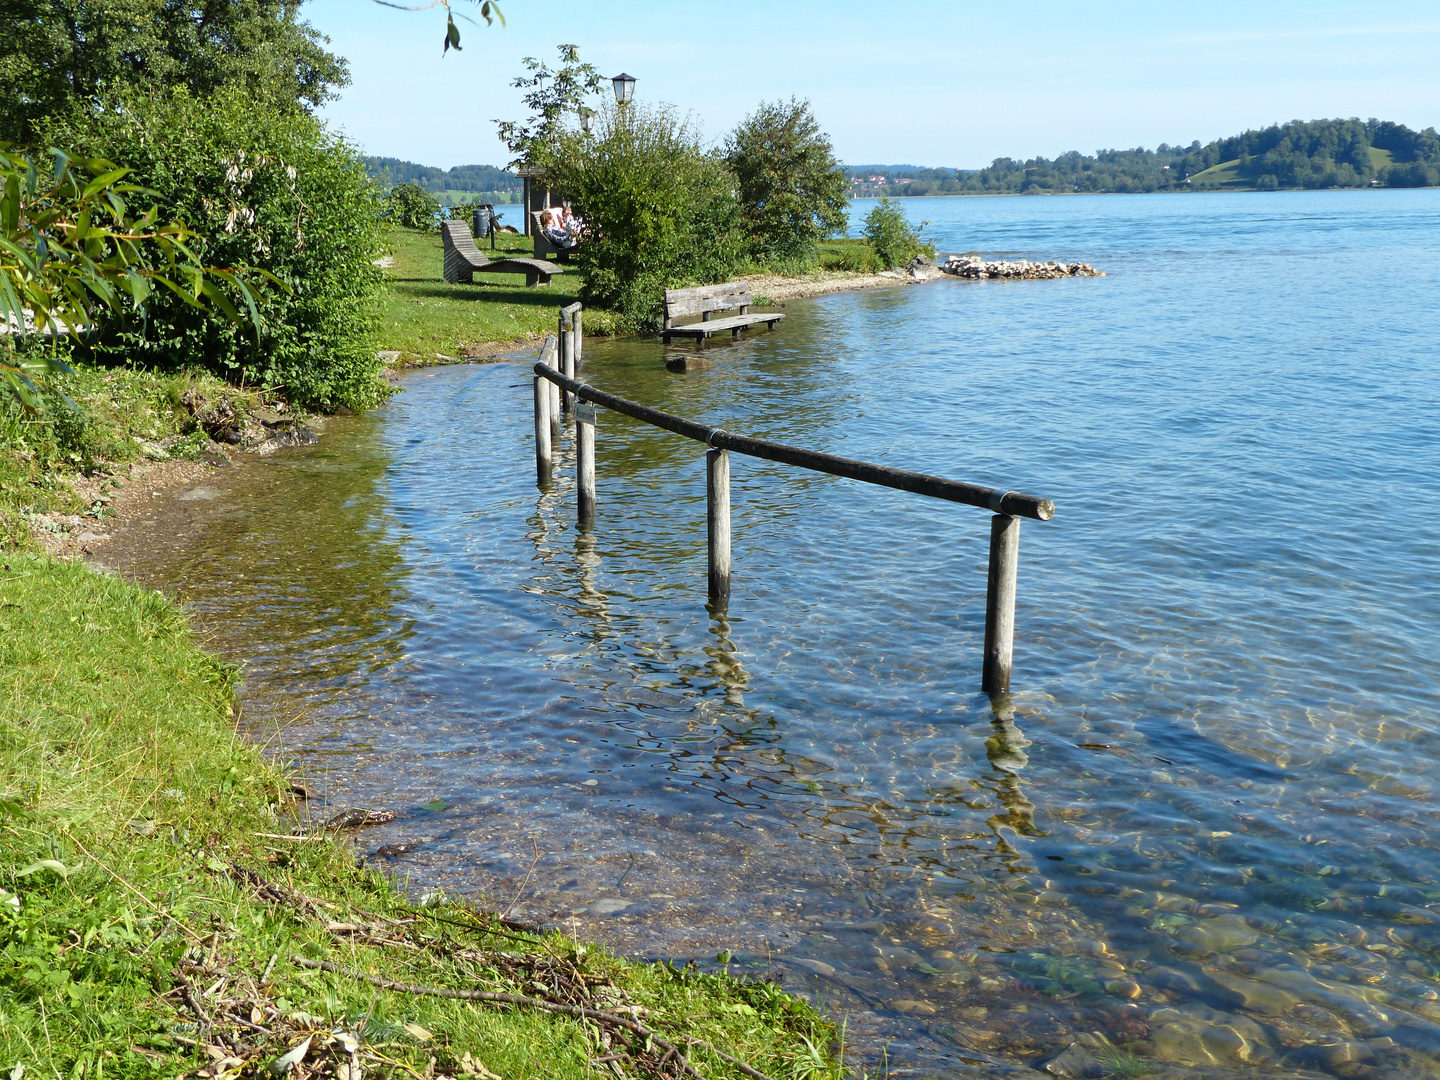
559,362
994,499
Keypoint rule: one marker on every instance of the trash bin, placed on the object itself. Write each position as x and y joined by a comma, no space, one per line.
484,221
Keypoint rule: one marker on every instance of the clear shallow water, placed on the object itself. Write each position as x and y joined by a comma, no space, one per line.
1203,826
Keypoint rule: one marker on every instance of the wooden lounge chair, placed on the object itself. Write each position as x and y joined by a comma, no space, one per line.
463,259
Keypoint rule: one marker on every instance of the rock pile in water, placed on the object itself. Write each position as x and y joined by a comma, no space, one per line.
973,266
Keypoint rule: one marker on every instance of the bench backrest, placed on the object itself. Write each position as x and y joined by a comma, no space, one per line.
462,257
706,298
456,235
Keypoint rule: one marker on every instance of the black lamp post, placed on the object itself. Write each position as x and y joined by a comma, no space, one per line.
624,88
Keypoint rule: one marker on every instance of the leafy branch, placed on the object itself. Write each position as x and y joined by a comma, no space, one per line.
71,250
552,94
489,11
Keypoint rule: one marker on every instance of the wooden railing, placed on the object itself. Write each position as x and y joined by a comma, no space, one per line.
556,389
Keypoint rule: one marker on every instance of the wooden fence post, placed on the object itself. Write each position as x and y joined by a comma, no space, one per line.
717,507
567,360
547,357
585,463
577,327
543,461
1000,603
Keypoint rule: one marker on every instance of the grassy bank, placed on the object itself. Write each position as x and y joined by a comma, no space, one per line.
425,318
156,919
115,417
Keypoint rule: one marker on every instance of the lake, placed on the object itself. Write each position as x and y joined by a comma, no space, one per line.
1201,833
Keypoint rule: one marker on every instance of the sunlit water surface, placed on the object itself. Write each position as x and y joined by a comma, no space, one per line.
1204,825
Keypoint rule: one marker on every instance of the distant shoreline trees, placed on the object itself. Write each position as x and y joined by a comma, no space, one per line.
1297,155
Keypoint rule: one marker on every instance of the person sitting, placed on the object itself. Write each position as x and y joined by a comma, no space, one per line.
560,227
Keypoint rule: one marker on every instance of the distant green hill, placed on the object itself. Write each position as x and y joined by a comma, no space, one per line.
461,183
1318,154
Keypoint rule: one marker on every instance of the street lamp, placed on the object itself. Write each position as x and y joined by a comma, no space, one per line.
587,120
624,88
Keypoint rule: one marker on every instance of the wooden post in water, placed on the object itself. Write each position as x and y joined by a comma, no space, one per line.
1000,603
577,327
567,359
543,461
717,507
547,357
585,463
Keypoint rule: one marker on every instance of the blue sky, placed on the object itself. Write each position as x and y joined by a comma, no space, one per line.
956,83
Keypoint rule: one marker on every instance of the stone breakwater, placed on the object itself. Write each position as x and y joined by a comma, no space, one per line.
972,266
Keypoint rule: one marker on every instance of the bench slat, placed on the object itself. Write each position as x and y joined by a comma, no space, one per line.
716,326
724,288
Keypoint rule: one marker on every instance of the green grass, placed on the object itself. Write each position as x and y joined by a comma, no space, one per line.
425,318
847,254
132,855
1226,174
1380,159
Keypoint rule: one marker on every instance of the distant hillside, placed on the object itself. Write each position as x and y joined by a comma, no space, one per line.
1319,154
390,171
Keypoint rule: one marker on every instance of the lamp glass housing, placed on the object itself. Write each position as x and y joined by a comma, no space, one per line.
624,88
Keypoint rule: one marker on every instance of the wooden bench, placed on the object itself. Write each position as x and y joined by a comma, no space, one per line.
463,259
704,301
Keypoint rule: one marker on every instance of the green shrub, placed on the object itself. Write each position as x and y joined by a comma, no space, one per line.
660,208
266,188
411,206
892,237
793,192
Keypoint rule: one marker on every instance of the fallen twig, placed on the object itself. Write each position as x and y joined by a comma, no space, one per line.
144,899
523,885
754,1074
299,839
187,992
537,1003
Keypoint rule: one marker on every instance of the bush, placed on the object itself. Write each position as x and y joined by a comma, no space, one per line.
267,188
793,193
412,206
890,234
660,209
1268,182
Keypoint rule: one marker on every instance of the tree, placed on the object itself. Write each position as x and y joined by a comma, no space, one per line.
552,95
793,192
659,208
59,56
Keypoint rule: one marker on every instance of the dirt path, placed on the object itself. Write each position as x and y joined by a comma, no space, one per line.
771,288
